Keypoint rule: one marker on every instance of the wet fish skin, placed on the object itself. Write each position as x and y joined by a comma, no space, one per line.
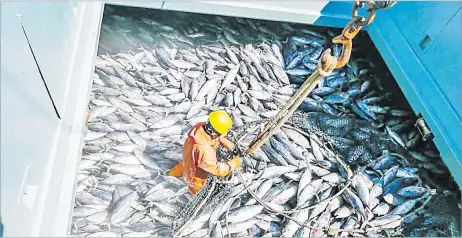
164,57
284,141
316,149
308,192
255,60
195,109
145,160
129,80
318,209
395,137
274,156
333,178
274,191
285,195
169,209
324,91
389,175
291,227
122,209
238,227
336,98
384,220
304,180
244,213
412,192
406,173
394,199
349,224
362,189
297,137
262,190
355,202
260,94
381,209
384,162
342,212
322,221
230,77
279,148
248,111
318,171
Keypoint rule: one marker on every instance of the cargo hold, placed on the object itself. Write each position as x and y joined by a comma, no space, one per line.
48,55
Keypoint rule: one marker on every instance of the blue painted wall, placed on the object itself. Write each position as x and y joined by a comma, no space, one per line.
421,44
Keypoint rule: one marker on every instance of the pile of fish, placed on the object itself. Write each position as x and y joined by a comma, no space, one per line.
173,73
374,206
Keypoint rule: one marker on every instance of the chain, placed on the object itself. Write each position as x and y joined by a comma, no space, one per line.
326,65
354,26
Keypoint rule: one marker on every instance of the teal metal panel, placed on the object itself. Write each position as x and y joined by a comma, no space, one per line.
335,14
442,58
417,19
428,92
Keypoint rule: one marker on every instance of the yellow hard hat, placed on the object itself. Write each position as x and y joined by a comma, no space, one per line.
220,121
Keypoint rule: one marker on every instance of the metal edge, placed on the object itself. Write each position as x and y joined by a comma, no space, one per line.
333,14
398,54
81,75
254,11
146,4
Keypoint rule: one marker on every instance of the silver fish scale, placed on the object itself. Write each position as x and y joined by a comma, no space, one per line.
168,59
346,135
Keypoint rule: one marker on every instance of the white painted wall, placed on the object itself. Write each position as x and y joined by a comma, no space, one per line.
307,12
302,12
39,152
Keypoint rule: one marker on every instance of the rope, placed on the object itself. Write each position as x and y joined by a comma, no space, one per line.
328,229
339,160
289,108
226,217
246,186
326,200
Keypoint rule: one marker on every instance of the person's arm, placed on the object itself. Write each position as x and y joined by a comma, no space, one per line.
230,146
207,160
226,143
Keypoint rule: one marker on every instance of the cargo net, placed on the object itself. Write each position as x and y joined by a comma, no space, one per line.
211,196
355,140
440,219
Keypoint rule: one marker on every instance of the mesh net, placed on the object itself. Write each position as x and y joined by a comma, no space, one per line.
354,140
357,141
209,197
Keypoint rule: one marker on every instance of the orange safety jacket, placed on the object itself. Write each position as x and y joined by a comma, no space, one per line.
199,158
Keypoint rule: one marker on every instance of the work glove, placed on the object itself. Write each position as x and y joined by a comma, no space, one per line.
237,152
235,162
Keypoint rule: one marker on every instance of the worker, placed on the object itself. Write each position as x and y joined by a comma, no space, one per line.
199,152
